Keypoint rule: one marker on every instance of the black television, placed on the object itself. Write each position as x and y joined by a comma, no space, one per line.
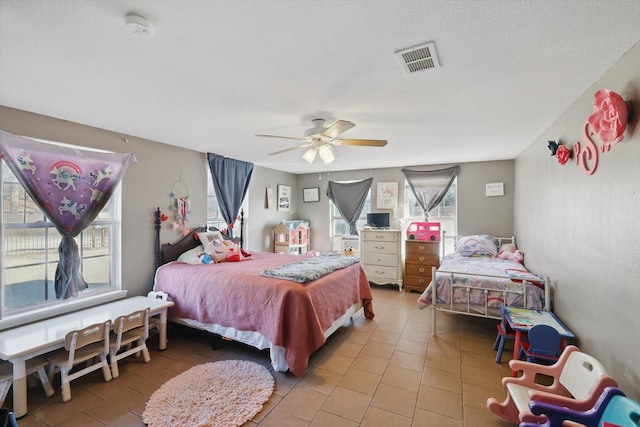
378,220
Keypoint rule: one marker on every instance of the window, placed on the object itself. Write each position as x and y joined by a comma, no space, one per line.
445,213
340,228
30,253
214,216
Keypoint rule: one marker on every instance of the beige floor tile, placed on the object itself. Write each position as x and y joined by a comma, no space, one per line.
348,348
385,337
416,335
402,378
483,418
440,378
415,362
394,399
282,419
424,418
379,349
109,409
483,377
347,404
320,380
413,347
360,381
443,361
370,363
326,419
127,420
302,403
376,417
476,397
335,363
440,401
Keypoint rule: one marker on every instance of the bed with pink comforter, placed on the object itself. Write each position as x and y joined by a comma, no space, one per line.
289,314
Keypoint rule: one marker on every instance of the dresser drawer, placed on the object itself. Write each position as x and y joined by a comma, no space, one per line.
417,270
418,247
384,247
380,236
381,271
422,259
390,260
417,282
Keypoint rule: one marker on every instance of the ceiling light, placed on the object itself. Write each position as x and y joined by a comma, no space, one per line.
138,25
326,153
310,155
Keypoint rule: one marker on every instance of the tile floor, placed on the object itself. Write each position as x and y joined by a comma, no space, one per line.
384,372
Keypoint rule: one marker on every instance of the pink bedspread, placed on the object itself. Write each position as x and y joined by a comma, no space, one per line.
289,314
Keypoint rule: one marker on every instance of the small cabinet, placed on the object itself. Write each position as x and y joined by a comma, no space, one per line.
420,257
381,256
292,237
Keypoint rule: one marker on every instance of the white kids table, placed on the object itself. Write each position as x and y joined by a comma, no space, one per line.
19,344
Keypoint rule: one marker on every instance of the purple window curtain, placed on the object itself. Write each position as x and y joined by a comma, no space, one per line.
430,187
71,186
231,181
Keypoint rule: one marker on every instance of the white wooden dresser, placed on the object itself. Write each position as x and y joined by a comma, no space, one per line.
381,256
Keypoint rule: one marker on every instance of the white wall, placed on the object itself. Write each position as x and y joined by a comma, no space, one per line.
583,230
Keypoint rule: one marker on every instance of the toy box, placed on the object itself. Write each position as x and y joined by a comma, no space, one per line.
424,231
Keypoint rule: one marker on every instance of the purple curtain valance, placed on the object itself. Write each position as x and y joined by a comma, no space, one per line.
70,186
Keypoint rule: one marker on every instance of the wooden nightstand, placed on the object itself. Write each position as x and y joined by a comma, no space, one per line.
420,257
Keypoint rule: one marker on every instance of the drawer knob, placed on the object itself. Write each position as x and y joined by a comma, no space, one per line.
421,270
379,247
421,248
421,281
421,259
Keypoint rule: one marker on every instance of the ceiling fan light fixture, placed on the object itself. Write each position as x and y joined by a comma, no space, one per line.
326,153
310,155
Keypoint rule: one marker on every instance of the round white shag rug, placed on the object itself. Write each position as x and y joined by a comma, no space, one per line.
220,394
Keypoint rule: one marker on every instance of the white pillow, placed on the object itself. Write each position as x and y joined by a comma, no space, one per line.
191,256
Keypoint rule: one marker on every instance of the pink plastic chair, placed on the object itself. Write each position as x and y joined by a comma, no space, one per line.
578,380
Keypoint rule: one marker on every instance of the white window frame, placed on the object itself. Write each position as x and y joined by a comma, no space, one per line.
447,216
11,317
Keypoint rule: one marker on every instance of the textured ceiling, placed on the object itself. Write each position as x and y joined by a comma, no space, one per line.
215,73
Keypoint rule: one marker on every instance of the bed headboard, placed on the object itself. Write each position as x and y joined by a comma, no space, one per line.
453,241
168,252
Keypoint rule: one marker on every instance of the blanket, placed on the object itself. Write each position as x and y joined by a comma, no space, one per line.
310,268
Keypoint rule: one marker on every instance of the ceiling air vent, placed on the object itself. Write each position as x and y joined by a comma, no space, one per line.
418,58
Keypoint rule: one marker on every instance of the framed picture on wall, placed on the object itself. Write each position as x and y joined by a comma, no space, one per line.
387,195
311,194
284,197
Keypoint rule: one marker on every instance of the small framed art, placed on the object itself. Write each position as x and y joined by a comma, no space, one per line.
311,194
284,197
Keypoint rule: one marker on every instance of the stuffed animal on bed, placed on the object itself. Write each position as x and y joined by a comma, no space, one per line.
509,252
516,256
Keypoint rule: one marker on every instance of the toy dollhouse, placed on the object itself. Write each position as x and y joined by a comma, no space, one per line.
292,237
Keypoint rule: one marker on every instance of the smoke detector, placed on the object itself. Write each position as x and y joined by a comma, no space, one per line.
418,58
138,25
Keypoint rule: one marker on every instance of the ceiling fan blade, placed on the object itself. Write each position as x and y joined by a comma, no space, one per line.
290,149
363,142
337,128
283,137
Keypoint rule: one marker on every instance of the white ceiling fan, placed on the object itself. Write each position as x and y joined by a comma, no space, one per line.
322,140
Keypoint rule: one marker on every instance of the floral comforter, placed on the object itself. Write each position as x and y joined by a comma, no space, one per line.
481,273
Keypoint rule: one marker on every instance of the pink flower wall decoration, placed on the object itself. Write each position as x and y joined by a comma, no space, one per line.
563,154
609,118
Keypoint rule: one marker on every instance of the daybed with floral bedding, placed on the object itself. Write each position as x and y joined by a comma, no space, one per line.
478,278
